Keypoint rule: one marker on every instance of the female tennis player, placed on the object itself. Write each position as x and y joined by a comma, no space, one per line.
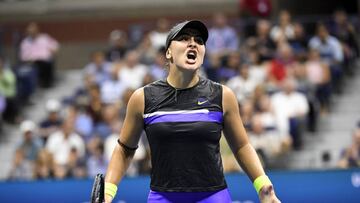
183,116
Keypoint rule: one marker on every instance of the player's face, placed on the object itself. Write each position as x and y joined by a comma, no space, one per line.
187,50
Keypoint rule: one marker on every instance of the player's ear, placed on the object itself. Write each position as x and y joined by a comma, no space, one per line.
168,54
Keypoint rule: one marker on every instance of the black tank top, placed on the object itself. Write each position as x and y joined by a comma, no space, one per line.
183,127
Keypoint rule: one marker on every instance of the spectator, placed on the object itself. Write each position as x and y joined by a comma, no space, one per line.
30,144
318,75
38,49
262,41
21,167
290,108
83,124
331,52
328,46
110,118
8,90
299,42
158,36
231,67
97,162
112,89
133,72
146,51
60,172
52,122
350,157
94,107
118,46
284,31
61,142
148,78
158,68
345,32
266,142
44,165
247,112
282,66
242,85
257,96
84,94
265,113
268,120
258,69
76,165
99,68
223,38
26,83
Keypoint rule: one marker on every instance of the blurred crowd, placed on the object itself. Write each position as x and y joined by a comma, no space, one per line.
350,155
35,69
283,75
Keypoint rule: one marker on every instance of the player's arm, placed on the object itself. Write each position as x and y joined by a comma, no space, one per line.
127,143
244,153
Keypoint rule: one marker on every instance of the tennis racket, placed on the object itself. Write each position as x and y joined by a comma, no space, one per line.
97,192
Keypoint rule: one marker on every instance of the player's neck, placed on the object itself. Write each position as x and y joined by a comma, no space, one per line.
183,79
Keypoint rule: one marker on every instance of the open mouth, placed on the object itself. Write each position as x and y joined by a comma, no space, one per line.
191,55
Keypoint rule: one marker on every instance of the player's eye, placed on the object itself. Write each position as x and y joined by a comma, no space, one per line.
187,38
199,40
183,38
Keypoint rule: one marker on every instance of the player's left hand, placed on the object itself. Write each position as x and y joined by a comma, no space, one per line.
267,195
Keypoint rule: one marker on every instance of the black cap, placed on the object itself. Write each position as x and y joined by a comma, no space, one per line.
194,24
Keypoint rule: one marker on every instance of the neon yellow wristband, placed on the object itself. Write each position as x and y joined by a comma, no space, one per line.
260,181
110,189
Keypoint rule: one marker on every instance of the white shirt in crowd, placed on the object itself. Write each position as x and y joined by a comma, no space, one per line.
288,106
268,141
258,73
158,39
133,77
241,87
61,147
277,32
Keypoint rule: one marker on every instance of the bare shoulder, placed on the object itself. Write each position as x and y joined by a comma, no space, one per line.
229,99
136,102
138,94
227,92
